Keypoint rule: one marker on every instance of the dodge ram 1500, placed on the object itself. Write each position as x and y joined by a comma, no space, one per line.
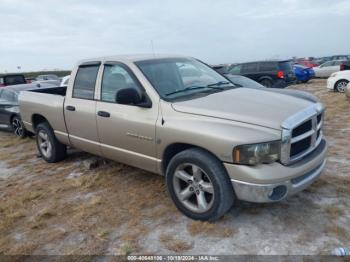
214,142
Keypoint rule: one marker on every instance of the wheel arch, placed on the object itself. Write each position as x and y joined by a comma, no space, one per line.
265,77
173,149
38,119
12,116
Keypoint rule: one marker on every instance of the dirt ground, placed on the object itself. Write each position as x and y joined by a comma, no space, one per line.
65,208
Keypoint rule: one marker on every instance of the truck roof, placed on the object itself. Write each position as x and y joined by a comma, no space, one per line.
129,58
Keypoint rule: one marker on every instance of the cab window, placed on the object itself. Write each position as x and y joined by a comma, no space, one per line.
85,81
116,77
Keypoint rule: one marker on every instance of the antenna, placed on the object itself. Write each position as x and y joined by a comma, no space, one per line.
152,46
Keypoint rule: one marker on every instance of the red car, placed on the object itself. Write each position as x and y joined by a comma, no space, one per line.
306,62
13,79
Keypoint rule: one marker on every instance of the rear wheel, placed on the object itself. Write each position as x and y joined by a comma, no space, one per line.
18,127
266,82
341,85
49,147
199,185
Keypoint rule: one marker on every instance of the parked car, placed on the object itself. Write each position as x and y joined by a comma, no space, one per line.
213,141
324,59
47,77
242,81
277,74
307,62
328,68
345,65
12,79
51,79
65,80
9,108
338,81
303,73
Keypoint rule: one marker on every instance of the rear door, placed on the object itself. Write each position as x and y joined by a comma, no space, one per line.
80,109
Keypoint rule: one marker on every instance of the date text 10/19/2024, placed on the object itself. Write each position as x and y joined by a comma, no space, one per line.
173,258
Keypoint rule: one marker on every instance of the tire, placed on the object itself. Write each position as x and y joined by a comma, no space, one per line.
18,127
193,177
51,150
341,85
266,83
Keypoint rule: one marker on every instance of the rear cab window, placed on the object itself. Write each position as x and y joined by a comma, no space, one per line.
85,81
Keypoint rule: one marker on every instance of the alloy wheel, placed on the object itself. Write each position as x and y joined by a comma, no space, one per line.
17,127
44,144
341,86
193,188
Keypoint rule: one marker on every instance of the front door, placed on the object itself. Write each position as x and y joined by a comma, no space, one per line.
126,132
80,110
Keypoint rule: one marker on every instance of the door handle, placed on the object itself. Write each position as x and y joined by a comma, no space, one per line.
103,114
70,108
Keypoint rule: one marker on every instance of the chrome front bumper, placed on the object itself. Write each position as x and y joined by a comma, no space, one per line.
264,193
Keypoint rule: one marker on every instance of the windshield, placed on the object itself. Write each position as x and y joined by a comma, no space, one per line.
243,81
175,78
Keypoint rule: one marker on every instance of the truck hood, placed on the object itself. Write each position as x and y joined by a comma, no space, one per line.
252,106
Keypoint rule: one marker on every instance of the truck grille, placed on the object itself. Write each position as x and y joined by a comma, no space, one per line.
301,134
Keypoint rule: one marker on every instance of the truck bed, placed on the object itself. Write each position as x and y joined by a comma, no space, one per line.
58,90
45,103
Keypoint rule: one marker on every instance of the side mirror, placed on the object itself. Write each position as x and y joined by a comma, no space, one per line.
130,96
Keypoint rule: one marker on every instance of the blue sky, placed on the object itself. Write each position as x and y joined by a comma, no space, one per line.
49,34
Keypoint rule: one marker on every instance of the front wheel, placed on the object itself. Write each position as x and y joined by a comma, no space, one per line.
49,147
341,85
199,185
18,127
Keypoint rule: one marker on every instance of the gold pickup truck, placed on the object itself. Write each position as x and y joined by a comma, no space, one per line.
213,141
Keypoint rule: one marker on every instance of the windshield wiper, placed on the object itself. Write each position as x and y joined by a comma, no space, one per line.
193,88
220,83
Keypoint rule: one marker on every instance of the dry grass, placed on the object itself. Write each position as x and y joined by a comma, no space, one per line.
337,231
209,229
174,244
334,212
13,141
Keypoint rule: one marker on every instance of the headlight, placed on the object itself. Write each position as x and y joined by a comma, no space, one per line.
254,154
